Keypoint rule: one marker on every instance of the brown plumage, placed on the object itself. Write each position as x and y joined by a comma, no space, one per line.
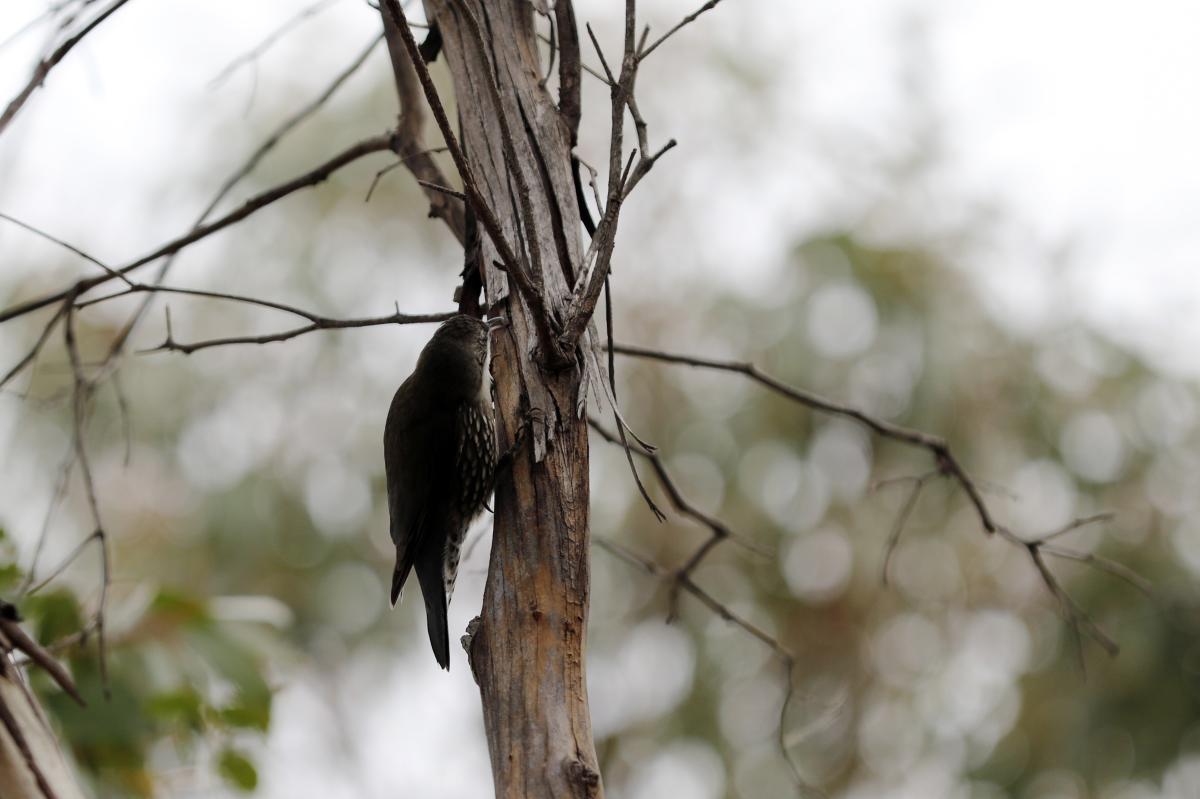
440,454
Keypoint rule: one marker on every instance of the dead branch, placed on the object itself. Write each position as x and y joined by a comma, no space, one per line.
16,638
251,163
944,460
80,407
253,54
645,51
946,465
410,132
42,70
262,200
682,581
590,282
527,286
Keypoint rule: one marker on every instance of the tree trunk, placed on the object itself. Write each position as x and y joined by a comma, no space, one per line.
528,650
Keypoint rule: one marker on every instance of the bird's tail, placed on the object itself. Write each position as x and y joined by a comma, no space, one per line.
433,589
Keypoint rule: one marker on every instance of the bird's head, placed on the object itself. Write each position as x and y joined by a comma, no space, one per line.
455,355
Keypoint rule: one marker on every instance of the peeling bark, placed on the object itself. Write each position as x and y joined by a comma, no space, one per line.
528,650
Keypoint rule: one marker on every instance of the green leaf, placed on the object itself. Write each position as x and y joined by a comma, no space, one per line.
233,661
179,608
249,711
183,706
10,576
54,615
237,769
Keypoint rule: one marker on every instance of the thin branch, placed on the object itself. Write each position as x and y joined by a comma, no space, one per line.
1108,565
251,163
442,189
612,382
20,640
36,348
308,179
945,465
148,288
529,291
944,460
317,323
718,529
50,11
1073,525
268,41
645,51
410,130
43,234
1079,621
56,498
570,62
910,503
598,260
83,389
404,161
42,70
722,611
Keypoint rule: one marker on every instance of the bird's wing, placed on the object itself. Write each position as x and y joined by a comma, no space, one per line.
415,455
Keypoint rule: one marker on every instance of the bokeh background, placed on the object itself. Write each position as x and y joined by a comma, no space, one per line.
974,219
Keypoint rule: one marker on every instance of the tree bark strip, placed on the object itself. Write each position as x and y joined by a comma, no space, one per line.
528,652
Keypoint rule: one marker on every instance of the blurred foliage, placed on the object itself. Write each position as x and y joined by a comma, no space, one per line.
961,670
174,676
962,667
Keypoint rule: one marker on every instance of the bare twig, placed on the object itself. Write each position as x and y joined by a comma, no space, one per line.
20,640
251,163
442,189
311,178
43,234
410,131
944,460
1073,525
83,389
319,323
1104,564
612,382
60,491
910,503
526,285
682,581
50,10
42,70
403,162
269,41
718,529
644,51
36,348
946,465
598,260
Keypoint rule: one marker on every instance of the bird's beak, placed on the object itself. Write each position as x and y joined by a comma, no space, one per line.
496,322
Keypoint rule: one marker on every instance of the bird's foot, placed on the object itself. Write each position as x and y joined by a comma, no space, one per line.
533,415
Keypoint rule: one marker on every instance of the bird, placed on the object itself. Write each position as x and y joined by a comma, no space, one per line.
439,453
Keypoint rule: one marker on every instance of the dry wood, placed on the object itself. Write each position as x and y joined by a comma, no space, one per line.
528,651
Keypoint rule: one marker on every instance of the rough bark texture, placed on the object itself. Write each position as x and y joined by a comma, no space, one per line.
528,651
31,764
